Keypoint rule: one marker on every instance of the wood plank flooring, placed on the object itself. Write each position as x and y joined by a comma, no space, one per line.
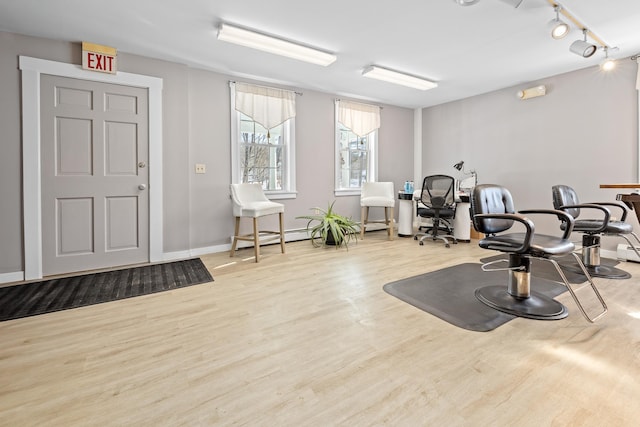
309,338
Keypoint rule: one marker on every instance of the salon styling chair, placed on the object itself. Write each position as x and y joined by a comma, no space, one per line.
493,213
566,199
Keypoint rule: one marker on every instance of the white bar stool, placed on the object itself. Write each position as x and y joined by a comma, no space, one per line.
377,194
249,201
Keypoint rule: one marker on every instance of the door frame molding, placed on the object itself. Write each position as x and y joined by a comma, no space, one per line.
31,69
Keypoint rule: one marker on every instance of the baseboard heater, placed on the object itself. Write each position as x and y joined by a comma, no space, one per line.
289,236
626,253
297,234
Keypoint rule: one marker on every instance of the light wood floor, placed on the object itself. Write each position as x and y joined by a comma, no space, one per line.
309,338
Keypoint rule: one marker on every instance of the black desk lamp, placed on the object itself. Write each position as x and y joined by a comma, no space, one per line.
469,182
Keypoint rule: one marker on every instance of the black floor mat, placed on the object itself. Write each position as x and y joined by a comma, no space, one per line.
450,294
70,292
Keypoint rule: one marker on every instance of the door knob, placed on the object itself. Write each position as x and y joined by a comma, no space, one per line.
142,164
142,187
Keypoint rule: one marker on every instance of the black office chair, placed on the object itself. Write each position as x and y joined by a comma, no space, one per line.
493,213
437,202
566,199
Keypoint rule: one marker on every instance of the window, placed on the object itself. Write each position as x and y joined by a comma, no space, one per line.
355,159
259,154
262,154
356,146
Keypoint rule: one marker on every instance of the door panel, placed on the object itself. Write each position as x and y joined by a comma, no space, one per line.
121,225
94,149
121,149
80,98
74,227
74,148
120,102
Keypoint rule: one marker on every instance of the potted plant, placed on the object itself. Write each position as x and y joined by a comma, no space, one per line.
329,228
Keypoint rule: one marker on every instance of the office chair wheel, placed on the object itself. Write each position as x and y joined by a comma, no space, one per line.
421,243
416,238
447,245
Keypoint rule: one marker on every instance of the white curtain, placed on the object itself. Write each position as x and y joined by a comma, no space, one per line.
362,119
268,106
638,78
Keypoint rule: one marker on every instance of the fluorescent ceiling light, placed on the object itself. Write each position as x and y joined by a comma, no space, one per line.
398,78
231,34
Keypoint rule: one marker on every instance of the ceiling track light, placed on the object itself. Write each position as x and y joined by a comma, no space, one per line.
265,43
396,77
609,63
583,47
561,10
559,28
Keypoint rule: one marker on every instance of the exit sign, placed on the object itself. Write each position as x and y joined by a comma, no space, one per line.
97,57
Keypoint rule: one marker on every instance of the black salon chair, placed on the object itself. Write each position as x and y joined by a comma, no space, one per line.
437,202
493,213
566,199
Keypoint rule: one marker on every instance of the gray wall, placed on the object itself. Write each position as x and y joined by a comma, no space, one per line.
196,129
209,143
583,133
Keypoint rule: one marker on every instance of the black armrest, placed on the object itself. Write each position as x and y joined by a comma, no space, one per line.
561,215
528,224
622,207
606,212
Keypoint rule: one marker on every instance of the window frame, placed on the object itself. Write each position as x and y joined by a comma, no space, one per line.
372,172
289,167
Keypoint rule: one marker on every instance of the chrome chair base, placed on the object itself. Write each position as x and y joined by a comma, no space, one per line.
603,271
535,306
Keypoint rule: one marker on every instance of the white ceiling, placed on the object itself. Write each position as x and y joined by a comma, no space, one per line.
467,50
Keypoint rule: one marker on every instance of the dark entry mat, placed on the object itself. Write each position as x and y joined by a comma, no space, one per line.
450,295
78,291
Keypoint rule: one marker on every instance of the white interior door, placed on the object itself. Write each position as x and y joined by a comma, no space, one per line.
94,154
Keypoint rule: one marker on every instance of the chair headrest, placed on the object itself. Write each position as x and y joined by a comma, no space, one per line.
491,199
563,195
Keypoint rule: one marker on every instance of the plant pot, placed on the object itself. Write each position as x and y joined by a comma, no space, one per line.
331,241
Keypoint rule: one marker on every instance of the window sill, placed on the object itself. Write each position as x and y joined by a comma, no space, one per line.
347,192
281,195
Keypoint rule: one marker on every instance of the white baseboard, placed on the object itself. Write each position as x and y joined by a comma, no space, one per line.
608,254
289,236
625,253
17,276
